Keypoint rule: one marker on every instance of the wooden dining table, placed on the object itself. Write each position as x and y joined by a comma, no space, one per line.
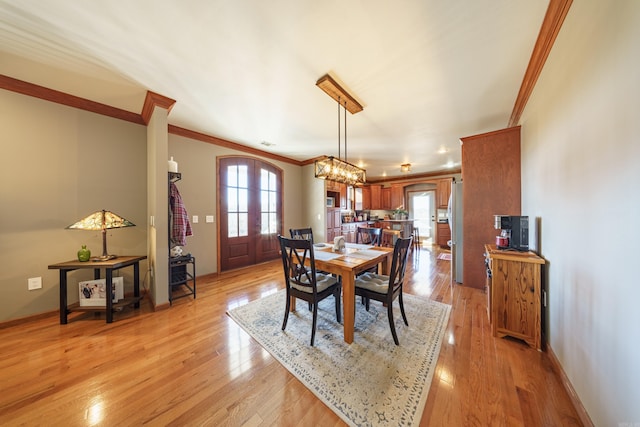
347,263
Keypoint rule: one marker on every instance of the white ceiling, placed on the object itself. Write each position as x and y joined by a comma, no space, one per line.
427,72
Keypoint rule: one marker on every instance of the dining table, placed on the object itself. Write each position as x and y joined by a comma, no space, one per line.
347,263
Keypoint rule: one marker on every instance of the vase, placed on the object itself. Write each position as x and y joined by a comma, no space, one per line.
84,254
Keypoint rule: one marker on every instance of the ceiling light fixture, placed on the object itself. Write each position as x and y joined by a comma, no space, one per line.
405,168
334,168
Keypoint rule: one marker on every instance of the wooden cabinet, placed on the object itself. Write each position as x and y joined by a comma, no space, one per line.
376,196
366,198
333,223
515,291
444,234
443,190
343,196
397,196
349,232
385,199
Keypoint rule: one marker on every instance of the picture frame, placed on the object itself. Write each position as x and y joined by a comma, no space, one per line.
331,202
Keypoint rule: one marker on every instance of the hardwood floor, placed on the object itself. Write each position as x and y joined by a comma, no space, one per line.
192,365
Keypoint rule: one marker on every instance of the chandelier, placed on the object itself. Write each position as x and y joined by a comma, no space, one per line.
334,168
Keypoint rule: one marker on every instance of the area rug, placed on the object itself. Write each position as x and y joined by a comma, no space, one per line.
445,256
371,382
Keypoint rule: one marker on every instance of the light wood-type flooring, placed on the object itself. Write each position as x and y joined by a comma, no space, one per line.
192,365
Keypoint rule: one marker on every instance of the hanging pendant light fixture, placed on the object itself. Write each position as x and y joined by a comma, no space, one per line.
330,167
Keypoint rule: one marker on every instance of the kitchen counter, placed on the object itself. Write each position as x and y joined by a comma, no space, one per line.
405,226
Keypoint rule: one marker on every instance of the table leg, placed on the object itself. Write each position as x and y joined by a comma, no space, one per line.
136,283
63,297
348,305
109,295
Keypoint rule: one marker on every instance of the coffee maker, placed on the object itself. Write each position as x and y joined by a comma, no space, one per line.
514,232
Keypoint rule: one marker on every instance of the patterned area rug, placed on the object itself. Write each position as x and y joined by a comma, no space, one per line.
445,256
371,382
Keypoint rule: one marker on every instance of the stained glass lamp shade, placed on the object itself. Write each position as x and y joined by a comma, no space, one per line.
102,220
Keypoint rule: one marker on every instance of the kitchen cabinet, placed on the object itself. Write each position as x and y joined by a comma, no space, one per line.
443,234
362,198
397,196
376,196
343,196
349,232
444,191
514,288
385,199
491,177
333,223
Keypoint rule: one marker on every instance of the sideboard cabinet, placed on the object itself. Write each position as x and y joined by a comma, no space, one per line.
514,288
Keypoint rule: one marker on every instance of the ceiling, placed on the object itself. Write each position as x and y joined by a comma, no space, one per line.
427,72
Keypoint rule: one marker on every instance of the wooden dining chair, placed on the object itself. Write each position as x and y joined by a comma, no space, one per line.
369,235
302,233
303,282
386,289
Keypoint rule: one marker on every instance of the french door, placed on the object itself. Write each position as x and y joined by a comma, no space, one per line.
250,211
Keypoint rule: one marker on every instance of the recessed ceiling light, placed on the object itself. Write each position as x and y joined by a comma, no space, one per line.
443,150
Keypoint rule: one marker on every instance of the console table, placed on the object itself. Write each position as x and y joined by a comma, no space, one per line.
108,266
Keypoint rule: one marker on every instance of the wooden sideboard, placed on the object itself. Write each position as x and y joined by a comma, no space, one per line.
514,289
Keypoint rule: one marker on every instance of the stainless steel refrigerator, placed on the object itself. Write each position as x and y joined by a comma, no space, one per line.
455,224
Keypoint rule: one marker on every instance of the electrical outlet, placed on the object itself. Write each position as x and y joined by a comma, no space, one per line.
34,283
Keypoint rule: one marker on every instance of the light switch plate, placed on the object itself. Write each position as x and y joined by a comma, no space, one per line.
34,283
195,219
210,218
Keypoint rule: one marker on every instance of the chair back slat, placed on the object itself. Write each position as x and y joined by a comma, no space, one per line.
296,254
369,235
302,233
399,262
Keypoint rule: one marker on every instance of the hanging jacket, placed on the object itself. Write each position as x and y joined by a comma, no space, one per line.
180,225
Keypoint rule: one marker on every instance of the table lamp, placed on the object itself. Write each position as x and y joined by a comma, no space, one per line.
102,220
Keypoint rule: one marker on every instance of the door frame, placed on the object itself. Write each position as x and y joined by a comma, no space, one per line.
218,198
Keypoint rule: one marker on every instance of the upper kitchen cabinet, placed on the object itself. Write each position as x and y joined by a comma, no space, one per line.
362,198
444,191
376,196
397,196
385,199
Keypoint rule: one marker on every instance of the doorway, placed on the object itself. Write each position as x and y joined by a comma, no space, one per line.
250,201
423,211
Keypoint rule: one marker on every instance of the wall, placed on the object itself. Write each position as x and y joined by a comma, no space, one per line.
580,177
60,164
198,188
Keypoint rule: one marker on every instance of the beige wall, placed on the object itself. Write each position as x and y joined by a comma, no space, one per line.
58,165
61,163
580,165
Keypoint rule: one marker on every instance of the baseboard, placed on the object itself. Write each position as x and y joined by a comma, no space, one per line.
575,400
31,318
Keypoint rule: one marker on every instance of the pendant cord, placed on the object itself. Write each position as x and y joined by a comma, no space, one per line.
345,131
339,145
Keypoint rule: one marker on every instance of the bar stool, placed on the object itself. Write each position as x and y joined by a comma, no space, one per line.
389,237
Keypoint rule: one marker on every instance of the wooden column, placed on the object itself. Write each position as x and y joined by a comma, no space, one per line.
491,179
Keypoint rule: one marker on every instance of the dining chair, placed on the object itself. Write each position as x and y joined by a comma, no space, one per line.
386,289
369,235
303,281
302,233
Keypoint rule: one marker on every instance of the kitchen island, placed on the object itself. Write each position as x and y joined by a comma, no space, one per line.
405,226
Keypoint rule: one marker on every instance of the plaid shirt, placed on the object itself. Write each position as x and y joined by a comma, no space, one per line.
180,225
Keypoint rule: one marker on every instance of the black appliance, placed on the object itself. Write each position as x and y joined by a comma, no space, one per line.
514,232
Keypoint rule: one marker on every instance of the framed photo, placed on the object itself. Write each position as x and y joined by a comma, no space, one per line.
331,202
93,293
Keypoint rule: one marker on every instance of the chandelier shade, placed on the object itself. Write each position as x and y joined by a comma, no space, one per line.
102,221
334,169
